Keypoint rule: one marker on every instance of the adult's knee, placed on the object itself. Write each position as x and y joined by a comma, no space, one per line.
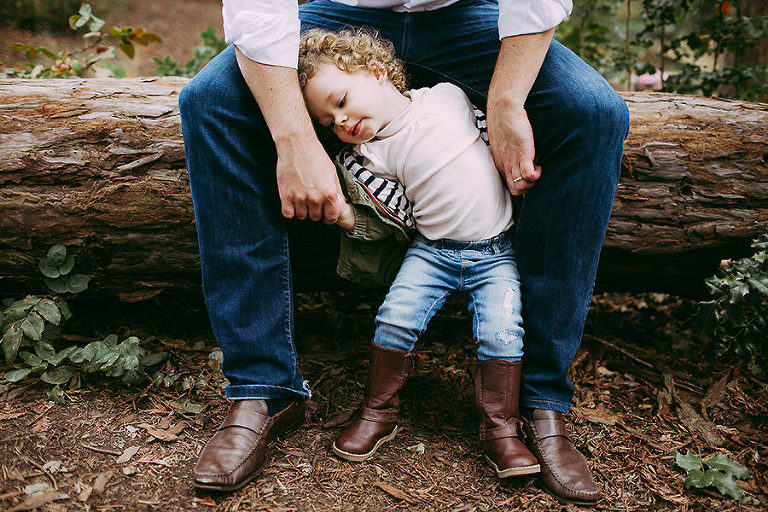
601,111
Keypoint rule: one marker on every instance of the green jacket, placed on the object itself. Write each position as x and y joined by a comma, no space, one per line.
372,253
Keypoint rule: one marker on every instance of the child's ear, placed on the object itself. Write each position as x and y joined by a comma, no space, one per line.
379,71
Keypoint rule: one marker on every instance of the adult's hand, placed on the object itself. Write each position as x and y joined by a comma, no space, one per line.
306,177
307,182
509,130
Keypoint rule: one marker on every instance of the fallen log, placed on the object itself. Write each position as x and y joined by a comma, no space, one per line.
98,165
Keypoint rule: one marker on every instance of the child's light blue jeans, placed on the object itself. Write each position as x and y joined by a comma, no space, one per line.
579,125
485,271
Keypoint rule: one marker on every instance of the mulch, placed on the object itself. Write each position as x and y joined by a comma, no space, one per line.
647,384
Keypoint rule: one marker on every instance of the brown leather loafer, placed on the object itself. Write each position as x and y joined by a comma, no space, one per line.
236,452
564,471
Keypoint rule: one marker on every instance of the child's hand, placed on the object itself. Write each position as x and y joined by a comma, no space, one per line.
347,217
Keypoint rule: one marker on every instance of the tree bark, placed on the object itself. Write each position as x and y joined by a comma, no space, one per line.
98,165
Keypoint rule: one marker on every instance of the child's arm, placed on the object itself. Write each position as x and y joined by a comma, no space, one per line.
347,217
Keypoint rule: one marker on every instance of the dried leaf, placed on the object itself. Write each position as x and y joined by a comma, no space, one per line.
715,394
101,481
38,500
158,434
696,423
395,492
598,415
127,454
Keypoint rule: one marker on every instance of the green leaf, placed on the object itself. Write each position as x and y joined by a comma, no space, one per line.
33,326
85,10
45,351
688,462
66,314
127,47
48,309
73,21
96,24
56,395
31,359
59,285
58,375
66,267
11,341
153,359
189,407
49,269
78,283
730,466
726,484
698,479
61,355
57,254
17,375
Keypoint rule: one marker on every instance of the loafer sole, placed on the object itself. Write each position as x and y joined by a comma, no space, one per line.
561,499
506,473
359,457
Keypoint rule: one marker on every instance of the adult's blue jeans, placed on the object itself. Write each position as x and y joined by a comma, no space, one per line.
484,271
579,125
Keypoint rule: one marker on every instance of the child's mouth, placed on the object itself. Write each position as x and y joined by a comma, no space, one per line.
356,129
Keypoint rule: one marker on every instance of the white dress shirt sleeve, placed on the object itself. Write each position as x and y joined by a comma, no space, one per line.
266,31
531,16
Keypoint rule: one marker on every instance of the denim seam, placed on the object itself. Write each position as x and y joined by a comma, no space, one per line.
289,300
426,316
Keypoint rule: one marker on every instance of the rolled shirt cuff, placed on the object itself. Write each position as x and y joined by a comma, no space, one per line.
266,31
518,17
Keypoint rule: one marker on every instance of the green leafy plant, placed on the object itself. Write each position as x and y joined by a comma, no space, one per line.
737,316
212,46
97,50
718,471
31,334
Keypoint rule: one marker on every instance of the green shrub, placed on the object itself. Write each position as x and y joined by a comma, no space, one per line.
36,15
737,316
32,341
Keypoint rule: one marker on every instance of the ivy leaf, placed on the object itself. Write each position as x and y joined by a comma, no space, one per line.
33,326
49,269
31,359
56,395
78,283
726,484
17,375
11,341
57,255
49,311
58,375
153,359
699,479
688,462
730,466
57,285
66,267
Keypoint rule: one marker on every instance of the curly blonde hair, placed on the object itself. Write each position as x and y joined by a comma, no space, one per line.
350,50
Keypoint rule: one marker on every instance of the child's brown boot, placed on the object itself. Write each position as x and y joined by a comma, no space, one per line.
497,394
377,420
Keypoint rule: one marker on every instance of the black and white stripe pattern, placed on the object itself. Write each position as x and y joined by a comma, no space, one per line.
388,193
482,125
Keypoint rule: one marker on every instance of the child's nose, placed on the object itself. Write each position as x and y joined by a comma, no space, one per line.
340,119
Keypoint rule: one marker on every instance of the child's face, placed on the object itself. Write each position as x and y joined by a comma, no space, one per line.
355,106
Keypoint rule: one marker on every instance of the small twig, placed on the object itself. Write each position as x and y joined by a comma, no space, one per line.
102,450
46,473
621,350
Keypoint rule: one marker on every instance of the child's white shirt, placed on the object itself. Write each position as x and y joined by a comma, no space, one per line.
434,150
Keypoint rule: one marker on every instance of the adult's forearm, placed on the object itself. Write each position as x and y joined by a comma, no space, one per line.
277,92
517,66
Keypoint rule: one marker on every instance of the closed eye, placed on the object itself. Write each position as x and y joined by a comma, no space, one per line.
342,101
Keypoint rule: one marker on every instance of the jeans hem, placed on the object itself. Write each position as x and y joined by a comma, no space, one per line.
264,392
548,405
